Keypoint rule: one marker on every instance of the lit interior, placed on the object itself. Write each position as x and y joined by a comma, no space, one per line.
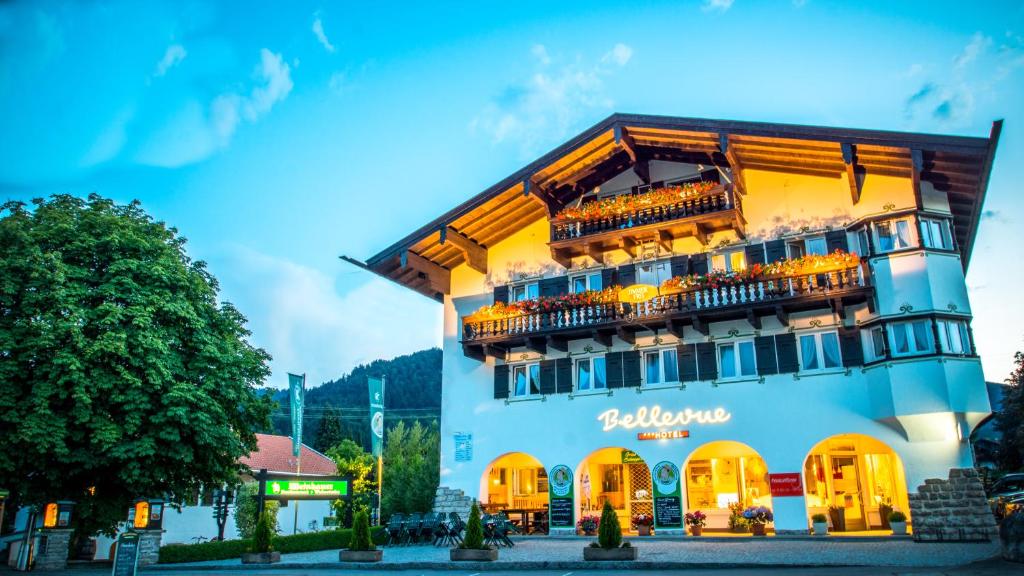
723,474
617,476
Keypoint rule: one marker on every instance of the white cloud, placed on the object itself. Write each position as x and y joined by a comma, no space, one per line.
321,36
716,5
173,56
275,82
551,103
978,44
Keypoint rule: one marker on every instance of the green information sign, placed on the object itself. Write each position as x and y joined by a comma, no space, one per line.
560,498
285,489
630,457
668,509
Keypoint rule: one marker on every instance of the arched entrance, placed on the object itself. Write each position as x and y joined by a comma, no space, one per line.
517,484
723,478
855,481
617,476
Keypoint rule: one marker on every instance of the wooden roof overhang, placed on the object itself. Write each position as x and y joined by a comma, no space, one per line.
957,165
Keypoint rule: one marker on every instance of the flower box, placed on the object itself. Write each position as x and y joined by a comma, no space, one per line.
469,555
360,555
261,557
591,553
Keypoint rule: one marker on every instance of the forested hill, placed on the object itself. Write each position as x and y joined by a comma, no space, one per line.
340,408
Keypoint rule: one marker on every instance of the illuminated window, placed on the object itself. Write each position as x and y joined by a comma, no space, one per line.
50,515
912,337
584,282
141,514
526,380
953,337
892,235
661,366
935,233
524,292
729,261
819,351
736,359
590,374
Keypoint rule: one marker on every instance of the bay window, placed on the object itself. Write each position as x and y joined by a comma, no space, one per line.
820,351
913,337
892,235
953,338
525,380
737,359
590,374
661,366
935,233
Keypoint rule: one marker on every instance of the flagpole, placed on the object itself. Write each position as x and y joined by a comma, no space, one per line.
298,466
380,457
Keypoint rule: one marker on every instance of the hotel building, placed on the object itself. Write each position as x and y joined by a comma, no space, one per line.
677,314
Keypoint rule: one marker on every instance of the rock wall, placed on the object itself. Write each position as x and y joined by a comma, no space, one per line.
52,553
451,500
953,509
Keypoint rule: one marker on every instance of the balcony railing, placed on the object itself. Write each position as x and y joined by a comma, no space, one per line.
682,303
717,199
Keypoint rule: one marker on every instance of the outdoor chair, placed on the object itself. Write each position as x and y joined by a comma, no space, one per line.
395,530
441,533
428,529
412,528
455,528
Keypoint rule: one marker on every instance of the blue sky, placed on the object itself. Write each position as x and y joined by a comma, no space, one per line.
276,137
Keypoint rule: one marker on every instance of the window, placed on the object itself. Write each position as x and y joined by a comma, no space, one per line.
820,351
653,273
590,374
736,359
730,261
661,366
523,292
875,343
912,337
892,235
805,246
795,249
864,241
953,337
584,282
935,233
525,380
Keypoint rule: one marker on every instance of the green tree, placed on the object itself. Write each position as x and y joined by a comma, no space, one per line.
411,468
1010,419
353,461
121,375
609,532
329,431
361,540
247,506
263,539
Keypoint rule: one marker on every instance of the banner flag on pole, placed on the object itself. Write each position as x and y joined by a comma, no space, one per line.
297,396
376,413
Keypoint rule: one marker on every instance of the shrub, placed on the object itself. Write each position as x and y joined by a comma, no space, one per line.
474,539
247,503
361,533
897,516
819,518
228,549
609,533
262,540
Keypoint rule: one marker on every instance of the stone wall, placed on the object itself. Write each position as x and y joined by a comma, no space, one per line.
953,509
52,553
450,500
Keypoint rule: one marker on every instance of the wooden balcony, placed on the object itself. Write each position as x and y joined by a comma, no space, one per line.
715,210
670,312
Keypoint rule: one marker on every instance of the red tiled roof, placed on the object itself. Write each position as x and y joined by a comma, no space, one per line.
275,454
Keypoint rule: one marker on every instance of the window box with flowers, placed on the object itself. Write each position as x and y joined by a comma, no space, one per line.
696,521
758,517
643,523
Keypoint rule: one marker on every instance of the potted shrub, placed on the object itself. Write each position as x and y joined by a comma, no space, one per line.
262,543
737,523
696,521
820,523
898,521
473,547
758,517
588,525
360,546
643,523
609,545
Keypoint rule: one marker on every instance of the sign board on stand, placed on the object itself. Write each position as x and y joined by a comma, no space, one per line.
126,558
668,502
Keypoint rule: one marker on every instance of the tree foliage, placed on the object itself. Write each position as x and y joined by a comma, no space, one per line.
1010,419
411,469
247,506
361,540
263,539
474,539
121,375
353,461
609,531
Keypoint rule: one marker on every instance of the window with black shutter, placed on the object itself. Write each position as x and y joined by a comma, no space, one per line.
557,286
563,372
766,361
775,250
850,345
627,275
501,294
613,367
755,254
547,377
687,355
707,365
836,240
699,264
785,348
680,265
501,381
631,369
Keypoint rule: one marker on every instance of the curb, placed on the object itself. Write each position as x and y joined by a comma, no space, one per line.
499,565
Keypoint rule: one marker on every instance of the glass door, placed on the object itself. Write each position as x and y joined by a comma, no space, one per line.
847,492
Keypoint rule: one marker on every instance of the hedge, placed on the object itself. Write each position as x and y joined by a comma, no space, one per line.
228,549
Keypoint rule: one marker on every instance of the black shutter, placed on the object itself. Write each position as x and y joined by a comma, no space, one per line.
775,251
631,368
699,264
627,275
687,355
501,381
852,349
755,254
613,369
563,370
707,365
501,294
680,265
766,363
607,277
547,377
836,240
554,286
785,347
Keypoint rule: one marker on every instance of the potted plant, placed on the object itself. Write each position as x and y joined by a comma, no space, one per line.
696,521
737,523
838,515
758,516
820,522
588,525
473,547
262,543
360,546
643,523
898,521
609,545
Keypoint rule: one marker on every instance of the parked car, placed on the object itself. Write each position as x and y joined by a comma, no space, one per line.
1006,495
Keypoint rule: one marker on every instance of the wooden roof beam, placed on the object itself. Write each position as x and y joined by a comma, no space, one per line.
475,254
855,180
917,166
735,168
546,197
641,166
439,279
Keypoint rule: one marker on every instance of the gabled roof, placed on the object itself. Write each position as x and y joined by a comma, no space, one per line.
957,165
274,453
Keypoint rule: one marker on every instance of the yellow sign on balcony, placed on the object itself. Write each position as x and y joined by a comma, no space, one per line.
637,293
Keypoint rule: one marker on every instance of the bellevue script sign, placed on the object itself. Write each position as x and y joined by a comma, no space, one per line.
654,417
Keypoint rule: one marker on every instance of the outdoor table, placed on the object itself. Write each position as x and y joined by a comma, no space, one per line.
525,517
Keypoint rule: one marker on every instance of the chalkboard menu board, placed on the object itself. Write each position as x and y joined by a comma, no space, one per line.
669,511
127,556
561,512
